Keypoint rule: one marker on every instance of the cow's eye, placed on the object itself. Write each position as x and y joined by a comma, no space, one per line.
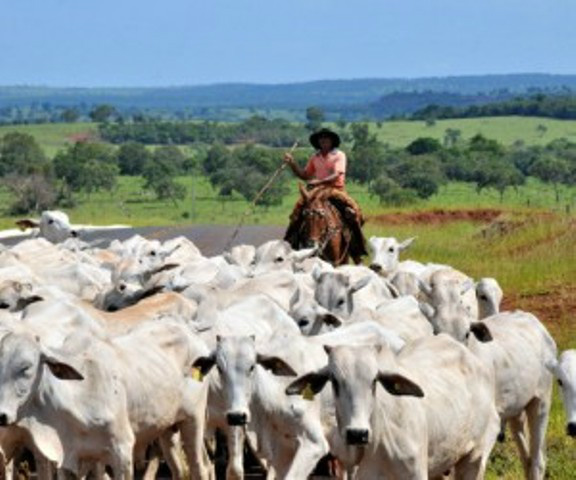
391,249
25,371
251,369
340,302
153,253
483,297
122,287
279,259
50,222
303,322
560,383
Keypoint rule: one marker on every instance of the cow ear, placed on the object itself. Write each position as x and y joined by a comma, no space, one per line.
276,365
406,243
203,365
295,297
467,285
481,332
311,382
424,287
301,255
392,289
397,384
331,320
22,303
316,273
426,309
62,370
360,283
552,366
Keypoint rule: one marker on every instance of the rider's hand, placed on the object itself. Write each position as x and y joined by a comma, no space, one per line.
288,159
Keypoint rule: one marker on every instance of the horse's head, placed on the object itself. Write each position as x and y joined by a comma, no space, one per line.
320,220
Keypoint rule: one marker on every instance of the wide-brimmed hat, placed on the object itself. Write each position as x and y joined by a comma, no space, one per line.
324,132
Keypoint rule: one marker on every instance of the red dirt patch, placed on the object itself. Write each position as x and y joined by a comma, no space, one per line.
554,306
438,216
82,137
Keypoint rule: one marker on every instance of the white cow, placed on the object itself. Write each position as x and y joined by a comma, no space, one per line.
93,400
519,351
249,391
565,371
393,408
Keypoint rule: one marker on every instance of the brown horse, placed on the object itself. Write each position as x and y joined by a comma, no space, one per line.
321,226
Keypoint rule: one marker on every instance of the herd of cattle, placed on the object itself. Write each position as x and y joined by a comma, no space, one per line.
107,360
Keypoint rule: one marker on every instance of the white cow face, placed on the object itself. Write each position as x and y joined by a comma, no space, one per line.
15,296
277,255
448,312
386,254
55,226
311,317
489,295
20,371
238,363
565,371
334,291
355,373
243,256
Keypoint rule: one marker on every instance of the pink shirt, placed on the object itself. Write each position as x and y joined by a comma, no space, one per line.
321,166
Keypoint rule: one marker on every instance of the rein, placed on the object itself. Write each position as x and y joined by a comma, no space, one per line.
331,230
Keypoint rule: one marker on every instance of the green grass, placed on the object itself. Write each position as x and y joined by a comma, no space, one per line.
506,130
52,136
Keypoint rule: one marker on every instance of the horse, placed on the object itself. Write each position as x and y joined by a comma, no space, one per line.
320,225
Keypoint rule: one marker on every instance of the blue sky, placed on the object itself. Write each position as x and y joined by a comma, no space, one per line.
190,42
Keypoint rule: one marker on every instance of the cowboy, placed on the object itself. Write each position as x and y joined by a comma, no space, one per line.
326,170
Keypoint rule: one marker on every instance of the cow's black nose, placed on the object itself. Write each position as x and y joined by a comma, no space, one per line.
236,419
357,436
375,267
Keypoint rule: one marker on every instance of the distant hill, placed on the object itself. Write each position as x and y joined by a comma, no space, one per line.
353,97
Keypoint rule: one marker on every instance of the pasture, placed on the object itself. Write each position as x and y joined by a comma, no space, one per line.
507,130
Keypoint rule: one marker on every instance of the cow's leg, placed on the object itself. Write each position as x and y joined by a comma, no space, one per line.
471,467
122,461
537,411
312,446
170,445
192,434
152,464
235,442
518,430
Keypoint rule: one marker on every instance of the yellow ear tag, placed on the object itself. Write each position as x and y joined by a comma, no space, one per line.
307,393
197,374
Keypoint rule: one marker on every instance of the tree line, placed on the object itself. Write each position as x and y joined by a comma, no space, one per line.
396,176
562,107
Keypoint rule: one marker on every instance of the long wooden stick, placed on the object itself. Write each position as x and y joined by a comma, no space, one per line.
263,190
